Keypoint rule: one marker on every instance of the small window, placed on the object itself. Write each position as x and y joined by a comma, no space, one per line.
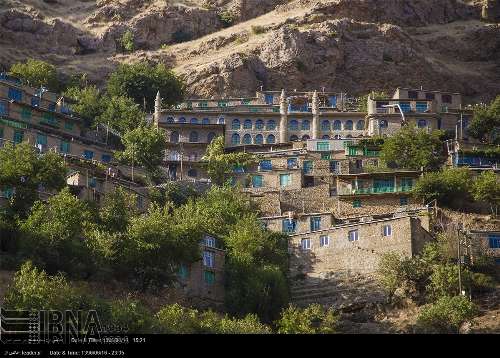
194,121
289,226
356,203
205,121
337,125
403,201
209,241
359,164
106,158
271,125
208,259
4,108
193,137
325,156
323,146
88,154
387,230
174,137
325,125
257,181
422,123
334,166
293,125
294,138
15,94
26,113
291,163
353,235
446,98
235,124
210,137
41,139
413,94
192,173
170,119
52,107
271,139
235,139
68,125
265,165
383,123
285,180
259,124
348,125
64,147
35,101
315,223
247,139
305,244
360,125
494,241
209,277
183,272
247,124
324,241
18,137
259,139
308,166
430,96
306,125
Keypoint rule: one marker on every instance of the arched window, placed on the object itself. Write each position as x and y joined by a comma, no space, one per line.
235,139
305,137
174,137
236,124
326,136
422,123
337,136
193,137
325,125
194,121
337,125
221,120
192,173
293,125
247,139
306,125
348,136
271,139
259,139
294,138
348,125
247,124
182,120
382,123
271,125
205,121
210,137
259,124
360,125
170,119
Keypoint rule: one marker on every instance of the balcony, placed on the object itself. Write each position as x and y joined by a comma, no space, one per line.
374,191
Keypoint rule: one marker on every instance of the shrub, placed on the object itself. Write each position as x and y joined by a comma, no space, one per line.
257,30
227,18
36,73
311,320
127,41
175,319
131,315
446,315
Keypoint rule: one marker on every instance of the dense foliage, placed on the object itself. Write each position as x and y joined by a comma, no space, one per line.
36,73
310,320
485,124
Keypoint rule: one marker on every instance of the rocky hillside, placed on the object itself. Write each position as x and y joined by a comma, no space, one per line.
232,47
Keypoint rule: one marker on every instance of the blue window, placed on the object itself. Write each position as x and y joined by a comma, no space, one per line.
403,201
209,277
35,101
271,124
18,137
4,109
308,166
257,181
205,121
422,123
326,136
221,120
65,110
210,137
182,120
306,125
193,137
194,121
259,139
265,165
269,99
15,94
52,107
291,163
106,158
41,139
334,166
294,138
337,125
247,139
348,125
305,137
247,124
315,223
88,154
293,125
421,106
208,259
387,230
333,101
64,147
236,124
360,125
494,241
285,180
325,125
174,137
170,119
289,225
405,106
383,123
271,139
92,182
235,138
353,235
259,124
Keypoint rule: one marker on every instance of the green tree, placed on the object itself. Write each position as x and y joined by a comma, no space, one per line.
36,73
310,320
446,315
24,172
132,314
122,114
144,146
450,187
485,124
87,103
127,41
53,234
412,148
141,82
117,211
220,165
486,188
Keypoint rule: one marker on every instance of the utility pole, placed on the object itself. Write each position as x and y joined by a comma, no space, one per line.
459,262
